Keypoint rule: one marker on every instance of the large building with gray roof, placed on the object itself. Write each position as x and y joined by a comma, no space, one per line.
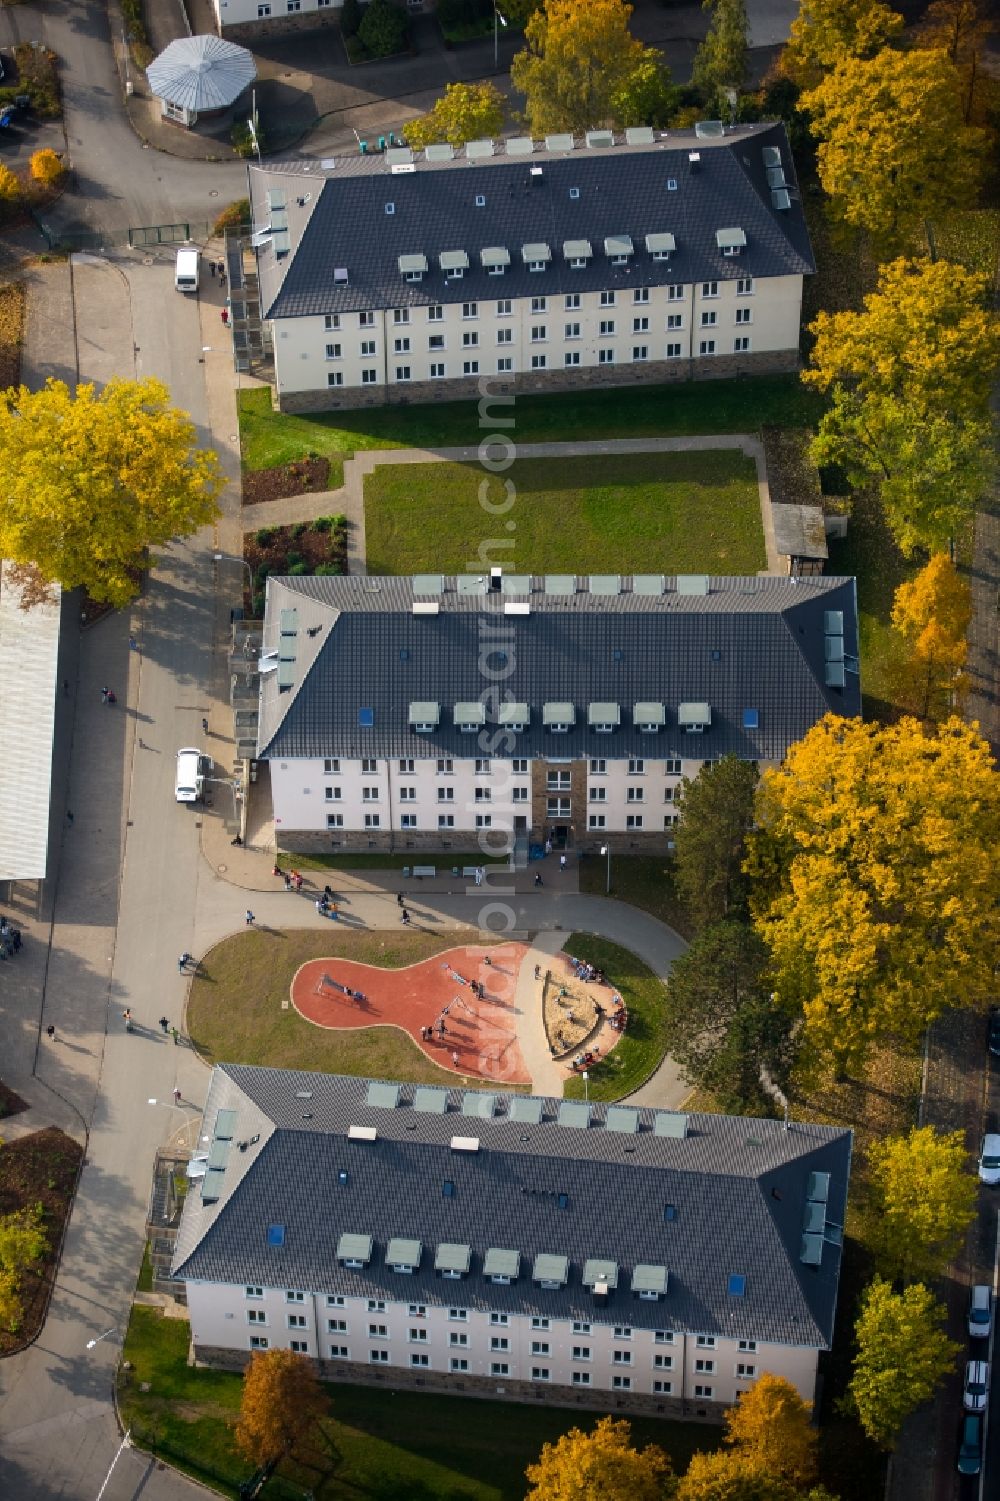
539,265
441,712
511,1244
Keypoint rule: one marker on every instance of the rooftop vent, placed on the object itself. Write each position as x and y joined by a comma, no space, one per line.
426,607
340,276
694,161
361,1133
517,607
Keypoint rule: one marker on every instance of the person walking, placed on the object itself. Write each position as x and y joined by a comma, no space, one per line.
479,875
177,1095
562,863
50,1033
404,918
250,918
211,267
538,878
127,1018
454,1060
69,817
204,726
399,898
182,962
164,1025
175,1035
104,694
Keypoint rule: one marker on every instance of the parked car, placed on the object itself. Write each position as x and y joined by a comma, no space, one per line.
970,1444
989,1159
1,65
980,1311
993,1031
977,1386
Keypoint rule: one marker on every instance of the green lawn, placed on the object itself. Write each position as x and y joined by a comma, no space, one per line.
675,512
639,1052
269,438
645,881
870,553
235,1014
377,1444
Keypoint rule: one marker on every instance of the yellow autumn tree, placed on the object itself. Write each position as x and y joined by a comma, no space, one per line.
601,1463
47,167
909,377
932,612
894,150
92,480
924,1200
465,112
580,56
770,1426
281,1402
11,186
727,1476
959,28
903,1354
877,887
826,32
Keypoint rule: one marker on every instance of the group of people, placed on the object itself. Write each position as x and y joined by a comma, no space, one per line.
585,971
108,696
327,907
619,1016
293,881
584,1060
10,939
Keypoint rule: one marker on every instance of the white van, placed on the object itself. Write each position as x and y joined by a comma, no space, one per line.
190,783
187,270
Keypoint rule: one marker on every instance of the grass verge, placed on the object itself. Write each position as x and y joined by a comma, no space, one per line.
639,1052
644,881
269,438
680,512
235,1013
870,553
379,1444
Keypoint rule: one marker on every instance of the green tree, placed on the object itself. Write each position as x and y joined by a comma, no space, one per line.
383,28
647,97
723,1025
716,814
909,376
924,1200
894,151
720,62
581,1466
902,1356
281,1402
93,479
876,889
465,112
22,1242
825,32
580,57
931,613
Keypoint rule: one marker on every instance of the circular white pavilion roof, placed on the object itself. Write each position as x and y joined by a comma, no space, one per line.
201,73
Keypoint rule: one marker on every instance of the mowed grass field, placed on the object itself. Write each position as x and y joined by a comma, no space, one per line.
637,513
235,1013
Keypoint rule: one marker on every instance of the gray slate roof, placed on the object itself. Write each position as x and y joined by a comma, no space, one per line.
336,217
359,646
738,1187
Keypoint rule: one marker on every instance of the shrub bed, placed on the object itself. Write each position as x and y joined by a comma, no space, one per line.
300,477
308,547
38,1170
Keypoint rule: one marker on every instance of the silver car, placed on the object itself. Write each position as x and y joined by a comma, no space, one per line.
977,1386
980,1311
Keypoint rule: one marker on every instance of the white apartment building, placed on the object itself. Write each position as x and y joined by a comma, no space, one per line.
555,265
440,713
512,1246
269,18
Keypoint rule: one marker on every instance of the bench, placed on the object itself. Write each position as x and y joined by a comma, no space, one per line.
420,871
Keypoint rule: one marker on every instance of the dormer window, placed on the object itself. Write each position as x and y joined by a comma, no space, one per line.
470,717
454,264
694,719
619,249
648,718
577,253
730,241
412,267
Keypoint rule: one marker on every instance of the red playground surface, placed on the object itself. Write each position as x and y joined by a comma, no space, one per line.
480,1031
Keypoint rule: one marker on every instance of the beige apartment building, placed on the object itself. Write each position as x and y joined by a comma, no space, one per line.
512,1246
493,711
539,265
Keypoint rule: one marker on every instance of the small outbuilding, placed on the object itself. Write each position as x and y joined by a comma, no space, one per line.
198,76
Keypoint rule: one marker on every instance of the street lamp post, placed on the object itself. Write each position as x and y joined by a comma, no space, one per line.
586,1086
606,850
228,557
498,20
106,1335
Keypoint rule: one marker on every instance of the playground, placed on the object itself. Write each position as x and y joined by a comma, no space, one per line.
458,1006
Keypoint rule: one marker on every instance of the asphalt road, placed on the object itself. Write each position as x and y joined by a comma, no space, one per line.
118,182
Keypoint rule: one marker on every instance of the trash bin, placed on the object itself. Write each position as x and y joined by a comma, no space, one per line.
381,143
406,871
363,146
